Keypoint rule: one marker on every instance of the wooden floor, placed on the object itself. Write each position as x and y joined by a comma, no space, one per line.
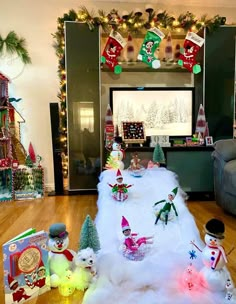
18,216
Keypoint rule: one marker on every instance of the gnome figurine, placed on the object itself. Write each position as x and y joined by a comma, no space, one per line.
60,257
119,190
169,204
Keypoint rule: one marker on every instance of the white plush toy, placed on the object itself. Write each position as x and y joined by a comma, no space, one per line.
85,271
61,259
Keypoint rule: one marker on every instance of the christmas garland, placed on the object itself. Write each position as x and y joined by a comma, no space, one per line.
13,44
134,23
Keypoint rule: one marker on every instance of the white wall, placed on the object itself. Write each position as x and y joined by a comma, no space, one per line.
38,85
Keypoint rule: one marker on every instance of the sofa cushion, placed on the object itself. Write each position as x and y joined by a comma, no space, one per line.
226,148
229,177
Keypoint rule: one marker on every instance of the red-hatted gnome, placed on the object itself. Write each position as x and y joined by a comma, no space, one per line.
169,204
131,242
187,59
151,42
112,50
120,189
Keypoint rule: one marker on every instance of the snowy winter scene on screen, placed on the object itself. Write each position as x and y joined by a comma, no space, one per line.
165,111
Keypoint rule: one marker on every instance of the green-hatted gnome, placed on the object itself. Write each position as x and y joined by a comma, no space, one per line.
167,207
151,42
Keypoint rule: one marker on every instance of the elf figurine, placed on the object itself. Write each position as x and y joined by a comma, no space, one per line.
151,42
131,242
192,45
167,207
119,190
112,50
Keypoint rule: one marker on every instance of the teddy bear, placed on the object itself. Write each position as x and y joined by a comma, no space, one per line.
85,268
60,258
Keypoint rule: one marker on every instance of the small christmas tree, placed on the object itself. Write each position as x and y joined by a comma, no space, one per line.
158,155
89,236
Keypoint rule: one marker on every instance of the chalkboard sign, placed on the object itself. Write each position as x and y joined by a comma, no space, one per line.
133,132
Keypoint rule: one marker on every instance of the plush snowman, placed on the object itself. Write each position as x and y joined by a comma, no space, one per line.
214,274
61,259
117,155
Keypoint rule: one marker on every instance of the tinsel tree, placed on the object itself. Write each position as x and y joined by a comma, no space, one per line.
32,153
89,235
158,155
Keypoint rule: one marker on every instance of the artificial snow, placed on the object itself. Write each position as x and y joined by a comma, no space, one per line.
161,277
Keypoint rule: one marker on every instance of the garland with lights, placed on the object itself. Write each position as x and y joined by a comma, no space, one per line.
134,23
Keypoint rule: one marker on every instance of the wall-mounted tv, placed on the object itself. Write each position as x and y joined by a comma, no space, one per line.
164,110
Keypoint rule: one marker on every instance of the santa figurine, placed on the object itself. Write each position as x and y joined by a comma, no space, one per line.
18,292
214,274
119,189
60,257
131,241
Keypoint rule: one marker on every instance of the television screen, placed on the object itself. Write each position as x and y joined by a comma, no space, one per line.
165,111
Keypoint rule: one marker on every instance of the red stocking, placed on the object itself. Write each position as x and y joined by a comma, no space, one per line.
114,46
192,45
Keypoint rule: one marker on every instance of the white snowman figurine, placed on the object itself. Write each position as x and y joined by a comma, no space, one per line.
214,274
61,259
118,155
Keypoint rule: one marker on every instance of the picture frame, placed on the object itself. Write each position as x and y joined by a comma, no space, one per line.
209,140
133,132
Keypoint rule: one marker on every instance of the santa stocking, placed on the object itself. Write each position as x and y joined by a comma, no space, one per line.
114,46
192,45
150,44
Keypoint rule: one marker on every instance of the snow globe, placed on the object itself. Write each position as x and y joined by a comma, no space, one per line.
136,169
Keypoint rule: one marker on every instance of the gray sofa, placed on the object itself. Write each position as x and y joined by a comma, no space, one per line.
224,159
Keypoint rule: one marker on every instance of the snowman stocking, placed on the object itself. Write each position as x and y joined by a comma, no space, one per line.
192,45
114,46
151,42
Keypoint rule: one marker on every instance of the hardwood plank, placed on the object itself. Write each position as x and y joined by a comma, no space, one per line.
18,216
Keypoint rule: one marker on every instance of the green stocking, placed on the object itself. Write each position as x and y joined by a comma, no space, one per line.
150,44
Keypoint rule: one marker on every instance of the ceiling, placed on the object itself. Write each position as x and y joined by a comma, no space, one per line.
189,3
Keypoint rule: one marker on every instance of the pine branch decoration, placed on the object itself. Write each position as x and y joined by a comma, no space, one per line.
13,44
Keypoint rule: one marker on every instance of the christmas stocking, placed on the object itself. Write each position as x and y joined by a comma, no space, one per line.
192,45
114,46
150,44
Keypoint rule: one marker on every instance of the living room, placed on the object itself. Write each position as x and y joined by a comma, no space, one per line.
38,84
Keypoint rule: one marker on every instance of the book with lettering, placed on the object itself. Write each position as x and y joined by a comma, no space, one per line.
26,271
